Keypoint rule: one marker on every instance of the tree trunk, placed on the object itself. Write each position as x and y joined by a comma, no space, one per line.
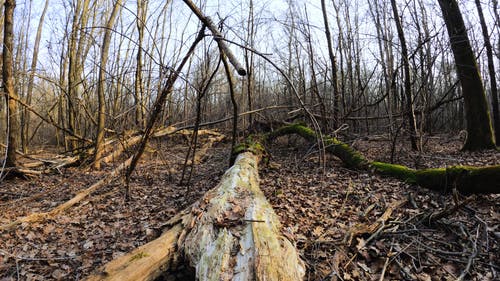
491,70
29,93
8,84
333,62
140,109
101,121
479,131
407,96
249,61
75,70
232,233
218,37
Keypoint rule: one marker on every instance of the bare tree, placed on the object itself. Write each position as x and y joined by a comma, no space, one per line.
25,121
101,120
76,55
410,112
8,84
140,109
479,131
333,65
491,70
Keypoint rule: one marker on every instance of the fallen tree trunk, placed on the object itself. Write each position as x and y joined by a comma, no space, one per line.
213,137
57,164
125,145
467,180
145,263
128,143
37,217
232,233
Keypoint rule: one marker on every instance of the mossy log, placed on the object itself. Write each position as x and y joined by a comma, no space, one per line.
351,157
231,233
466,179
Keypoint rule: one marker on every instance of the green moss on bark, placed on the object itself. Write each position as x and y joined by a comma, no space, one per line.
467,180
348,155
250,145
398,171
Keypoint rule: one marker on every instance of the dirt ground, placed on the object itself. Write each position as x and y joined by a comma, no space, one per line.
320,203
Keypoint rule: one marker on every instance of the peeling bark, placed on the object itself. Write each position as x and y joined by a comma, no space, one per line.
232,233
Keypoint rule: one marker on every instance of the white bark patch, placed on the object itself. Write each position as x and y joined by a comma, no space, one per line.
232,233
237,235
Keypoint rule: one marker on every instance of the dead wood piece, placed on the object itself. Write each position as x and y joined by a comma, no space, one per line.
467,180
144,263
133,140
37,217
237,235
232,233
360,229
202,152
437,215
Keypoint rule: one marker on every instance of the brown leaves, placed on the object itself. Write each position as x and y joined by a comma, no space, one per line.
389,241
100,228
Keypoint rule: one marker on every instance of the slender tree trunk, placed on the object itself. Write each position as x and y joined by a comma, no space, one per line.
76,56
101,120
29,93
491,70
333,62
314,82
479,130
374,11
8,84
410,113
21,66
496,12
231,84
249,59
138,86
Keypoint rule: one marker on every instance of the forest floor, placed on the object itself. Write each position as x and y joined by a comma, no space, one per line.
319,203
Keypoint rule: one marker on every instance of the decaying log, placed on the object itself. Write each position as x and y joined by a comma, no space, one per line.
135,139
467,180
128,143
232,233
213,137
37,217
236,235
49,164
145,263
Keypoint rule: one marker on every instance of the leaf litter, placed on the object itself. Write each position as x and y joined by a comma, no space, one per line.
319,208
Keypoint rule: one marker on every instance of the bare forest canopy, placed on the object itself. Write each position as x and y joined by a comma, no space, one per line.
58,64
114,87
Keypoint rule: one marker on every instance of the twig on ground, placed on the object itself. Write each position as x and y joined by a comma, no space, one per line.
435,216
386,264
472,256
